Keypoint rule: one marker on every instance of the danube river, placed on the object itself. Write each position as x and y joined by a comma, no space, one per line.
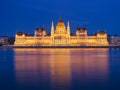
60,69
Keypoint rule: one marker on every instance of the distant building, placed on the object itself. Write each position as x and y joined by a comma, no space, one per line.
61,35
4,40
11,40
114,40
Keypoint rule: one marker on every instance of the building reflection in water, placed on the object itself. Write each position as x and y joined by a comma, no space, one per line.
90,65
60,68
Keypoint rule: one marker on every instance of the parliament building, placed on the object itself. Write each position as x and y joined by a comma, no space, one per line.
61,36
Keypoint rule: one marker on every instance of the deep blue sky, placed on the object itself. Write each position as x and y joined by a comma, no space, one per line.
26,15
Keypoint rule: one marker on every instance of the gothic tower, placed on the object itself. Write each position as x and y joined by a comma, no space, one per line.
68,28
52,29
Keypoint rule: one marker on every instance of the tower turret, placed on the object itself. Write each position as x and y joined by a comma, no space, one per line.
52,28
68,28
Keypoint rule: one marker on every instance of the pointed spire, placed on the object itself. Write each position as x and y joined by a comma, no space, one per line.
60,20
52,28
68,23
52,23
68,26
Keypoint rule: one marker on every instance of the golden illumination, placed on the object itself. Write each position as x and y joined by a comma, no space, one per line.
35,65
61,36
60,23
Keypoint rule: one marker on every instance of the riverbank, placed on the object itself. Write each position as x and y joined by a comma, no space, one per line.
12,46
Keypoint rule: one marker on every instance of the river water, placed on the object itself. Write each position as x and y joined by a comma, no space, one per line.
60,69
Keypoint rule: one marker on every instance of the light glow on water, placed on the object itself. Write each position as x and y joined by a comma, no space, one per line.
60,68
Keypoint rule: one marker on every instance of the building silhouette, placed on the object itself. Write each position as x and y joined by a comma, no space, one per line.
61,36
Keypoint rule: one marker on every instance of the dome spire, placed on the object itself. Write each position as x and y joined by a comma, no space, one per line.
60,20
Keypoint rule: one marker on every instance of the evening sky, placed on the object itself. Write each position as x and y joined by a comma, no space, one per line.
26,15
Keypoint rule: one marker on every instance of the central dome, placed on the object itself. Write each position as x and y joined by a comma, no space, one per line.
60,27
60,22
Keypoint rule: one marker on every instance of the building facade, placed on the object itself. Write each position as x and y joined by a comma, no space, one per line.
114,40
61,36
4,40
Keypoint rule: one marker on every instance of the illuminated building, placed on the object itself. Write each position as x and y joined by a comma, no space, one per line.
61,36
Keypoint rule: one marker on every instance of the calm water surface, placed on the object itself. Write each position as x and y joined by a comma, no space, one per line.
59,69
